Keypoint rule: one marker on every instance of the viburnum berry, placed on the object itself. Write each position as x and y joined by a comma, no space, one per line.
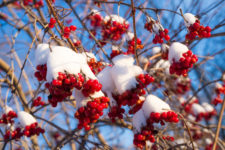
61,87
186,61
7,118
131,45
52,23
91,112
217,100
154,26
90,87
41,72
194,27
95,66
37,102
15,134
33,129
96,19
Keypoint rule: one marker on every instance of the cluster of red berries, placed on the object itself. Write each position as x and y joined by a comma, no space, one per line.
115,53
219,90
90,87
67,31
77,43
147,134
181,67
197,134
41,72
131,97
28,131
91,112
37,102
96,20
52,23
61,87
217,100
188,106
113,30
37,4
144,80
95,66
169,116
148,131
183,87
168,138
209,115
198,30
131,45
116,112
162,34
165,55
33,129
15,134
7,118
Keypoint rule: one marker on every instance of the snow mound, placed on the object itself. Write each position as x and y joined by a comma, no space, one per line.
156,50
123,60
124,77
81,100
25,118
154,104
106,80
41,54
63,59
176,51
207,107
129,36
189,19
197,109
138,121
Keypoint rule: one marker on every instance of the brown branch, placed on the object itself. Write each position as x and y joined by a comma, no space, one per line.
60,24
219,125
135,34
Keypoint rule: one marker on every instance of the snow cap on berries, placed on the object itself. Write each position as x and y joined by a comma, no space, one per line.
197,109
189,19
176,51
154,104
41,54
207,107
7,109
63,59
124,77
156,50
156,27
88,55
106,80
129,36
123,60
81,100
138,120
25,118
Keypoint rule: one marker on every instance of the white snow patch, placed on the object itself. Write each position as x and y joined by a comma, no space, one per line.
189,19
138,121
63,59
154,104
156,50
197,109
25,118
41,54
176,51
106,80
123,60
129,36
207,107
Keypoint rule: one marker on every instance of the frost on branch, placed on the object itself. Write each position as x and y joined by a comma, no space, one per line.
181,59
